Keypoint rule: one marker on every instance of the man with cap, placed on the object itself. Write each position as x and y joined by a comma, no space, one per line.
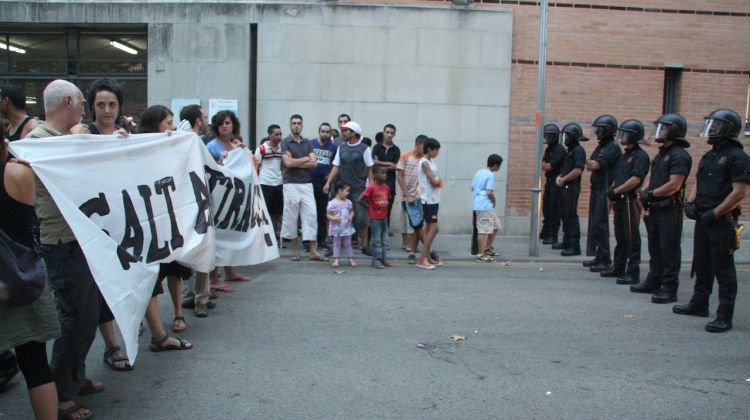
552,161
352,165
721,183
601,163
629,173
662,199
570,182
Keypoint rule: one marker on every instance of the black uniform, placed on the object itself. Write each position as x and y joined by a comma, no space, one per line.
555,155
606,154
664,222
576,158
713,252
627,212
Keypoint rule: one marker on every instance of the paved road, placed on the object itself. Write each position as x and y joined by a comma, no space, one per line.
301,341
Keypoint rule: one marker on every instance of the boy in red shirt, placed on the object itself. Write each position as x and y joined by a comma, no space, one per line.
375,198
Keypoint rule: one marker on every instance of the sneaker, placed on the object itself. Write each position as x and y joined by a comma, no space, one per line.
411,259
435,259
377,264
491,252
484,259
386,263
423,263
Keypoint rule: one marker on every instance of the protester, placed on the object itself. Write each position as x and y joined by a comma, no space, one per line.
325,150
483,205
224,127
386,154
411,206
268,156
13,108
27,328
430,186
340,214
376,198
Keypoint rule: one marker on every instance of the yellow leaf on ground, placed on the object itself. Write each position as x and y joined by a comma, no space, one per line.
458,338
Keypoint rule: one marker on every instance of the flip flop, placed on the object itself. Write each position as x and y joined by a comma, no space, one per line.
67,413
110,359
89,387
222,287
295,258
158,345
238,278
319,258
174,323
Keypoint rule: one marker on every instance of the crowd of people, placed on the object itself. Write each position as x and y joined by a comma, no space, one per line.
618,177
337,192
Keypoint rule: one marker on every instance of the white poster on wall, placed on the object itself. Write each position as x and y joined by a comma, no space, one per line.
216,105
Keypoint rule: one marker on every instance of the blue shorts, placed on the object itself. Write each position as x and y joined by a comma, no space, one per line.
430,212
414,213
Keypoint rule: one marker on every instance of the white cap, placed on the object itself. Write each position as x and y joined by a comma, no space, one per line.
352,125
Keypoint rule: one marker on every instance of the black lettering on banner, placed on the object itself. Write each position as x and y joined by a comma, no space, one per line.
235,206
97,205
215,178
258,217
133,236
203,199
162,187
155,252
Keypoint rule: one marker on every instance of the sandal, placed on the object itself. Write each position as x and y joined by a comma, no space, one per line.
295,258
238,278
319,258
335,263
352,263
158,345
89,387
177,329
110,359
222,287
67,413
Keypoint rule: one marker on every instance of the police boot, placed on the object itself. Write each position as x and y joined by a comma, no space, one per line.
719,325
559,245
611,273
589,263
691,309
664,296
550,240
627,279
601,267
645,287
569,252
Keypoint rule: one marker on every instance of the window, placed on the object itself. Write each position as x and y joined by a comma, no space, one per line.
672,75
30,58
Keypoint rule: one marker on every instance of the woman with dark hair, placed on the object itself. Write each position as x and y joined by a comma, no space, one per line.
105,103
159,119
156,119
225,127
26,328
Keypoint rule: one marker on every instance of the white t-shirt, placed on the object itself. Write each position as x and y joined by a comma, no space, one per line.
427,193
270,164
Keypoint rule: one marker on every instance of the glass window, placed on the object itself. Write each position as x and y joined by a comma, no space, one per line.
33,53
113,53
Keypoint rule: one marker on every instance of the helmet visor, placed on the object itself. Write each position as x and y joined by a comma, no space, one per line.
712,128
550,138
625,137
661,131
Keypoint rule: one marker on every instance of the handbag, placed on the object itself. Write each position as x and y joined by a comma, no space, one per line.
22,272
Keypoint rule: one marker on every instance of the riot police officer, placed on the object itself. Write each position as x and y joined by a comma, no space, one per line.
721,183
663,198
601,163
553,159
570,182
629,174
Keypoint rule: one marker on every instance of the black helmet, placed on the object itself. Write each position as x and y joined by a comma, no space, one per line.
605,126
630,132
721,124
572,132
551,133
671,127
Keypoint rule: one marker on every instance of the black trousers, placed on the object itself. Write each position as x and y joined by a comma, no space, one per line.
628,248
551,209
571,225
321,204
714,257
598,241
79,309
664,227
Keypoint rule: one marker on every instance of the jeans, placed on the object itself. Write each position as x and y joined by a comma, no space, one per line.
378,238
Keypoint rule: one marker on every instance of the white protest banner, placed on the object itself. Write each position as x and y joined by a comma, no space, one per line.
150,199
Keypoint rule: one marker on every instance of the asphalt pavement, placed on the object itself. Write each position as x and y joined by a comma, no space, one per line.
530,338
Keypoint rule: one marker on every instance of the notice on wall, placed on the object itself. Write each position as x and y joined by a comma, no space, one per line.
216,105
179,103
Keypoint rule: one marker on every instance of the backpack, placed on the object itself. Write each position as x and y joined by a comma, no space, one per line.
22,272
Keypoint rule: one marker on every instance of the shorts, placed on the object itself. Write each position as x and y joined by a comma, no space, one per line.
413,214
406,228
487,222
430,212
273,195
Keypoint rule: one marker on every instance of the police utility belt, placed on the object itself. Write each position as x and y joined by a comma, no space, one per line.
735,234
665,203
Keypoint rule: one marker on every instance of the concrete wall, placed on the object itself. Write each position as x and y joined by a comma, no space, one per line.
429,69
